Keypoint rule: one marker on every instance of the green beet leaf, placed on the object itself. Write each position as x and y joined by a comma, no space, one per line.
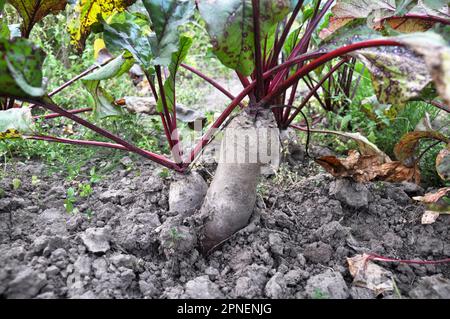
21,70
104,102
167,16
230,27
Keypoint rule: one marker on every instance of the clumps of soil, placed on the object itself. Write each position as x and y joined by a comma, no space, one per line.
125,242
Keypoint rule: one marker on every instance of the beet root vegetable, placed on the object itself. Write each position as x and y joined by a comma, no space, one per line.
250,141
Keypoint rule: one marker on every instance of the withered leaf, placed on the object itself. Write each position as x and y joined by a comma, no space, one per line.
435,203
443,163
433,197
364,168
369,275
392,12
405,149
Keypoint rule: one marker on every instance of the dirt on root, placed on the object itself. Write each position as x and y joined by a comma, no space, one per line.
304,227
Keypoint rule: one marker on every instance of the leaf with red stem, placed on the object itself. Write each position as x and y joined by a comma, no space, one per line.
435,51
352,32
214,83
230,27
291,41
167,16
49,105
169,85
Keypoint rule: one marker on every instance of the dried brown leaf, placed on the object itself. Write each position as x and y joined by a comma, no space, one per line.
431,198
405,149
369,275
409,25
364,168
396,172
335,24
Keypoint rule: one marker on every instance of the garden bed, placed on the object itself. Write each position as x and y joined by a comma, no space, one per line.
296,245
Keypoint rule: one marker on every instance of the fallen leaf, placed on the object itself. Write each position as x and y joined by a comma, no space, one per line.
430,198
397,172
369,275
436,204
364,168
429,217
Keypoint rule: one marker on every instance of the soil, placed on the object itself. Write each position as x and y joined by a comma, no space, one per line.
118,244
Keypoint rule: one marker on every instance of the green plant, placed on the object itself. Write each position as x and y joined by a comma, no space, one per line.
69,202
319,294
379,185
175,236
35,180
85,190
89,213
16,183
164,173
94,176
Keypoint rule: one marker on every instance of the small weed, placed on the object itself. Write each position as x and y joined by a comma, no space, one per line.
85,190
69,202
73,172
94,176
319,294
89,213
396,289
379,185
16,183
35,180
284,174
165,173
174,236
262,189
